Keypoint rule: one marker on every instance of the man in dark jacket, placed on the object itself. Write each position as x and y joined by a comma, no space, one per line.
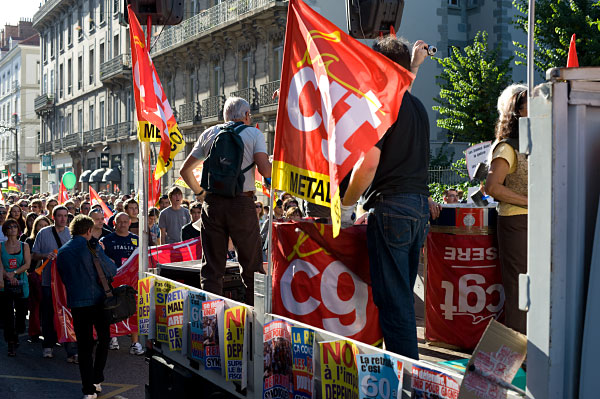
85,297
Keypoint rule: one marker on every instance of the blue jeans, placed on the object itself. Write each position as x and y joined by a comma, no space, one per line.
397,227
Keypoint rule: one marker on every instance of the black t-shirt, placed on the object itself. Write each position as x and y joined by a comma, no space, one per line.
404,162
94,241
188,231
119,248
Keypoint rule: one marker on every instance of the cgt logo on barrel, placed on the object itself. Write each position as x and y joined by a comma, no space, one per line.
312,286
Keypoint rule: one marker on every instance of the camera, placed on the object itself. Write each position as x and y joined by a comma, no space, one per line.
431,50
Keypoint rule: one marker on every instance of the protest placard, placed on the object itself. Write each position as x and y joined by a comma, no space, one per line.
161,289
432,384
210,333
277,355
235,345
196,342
379,376
175,300
339,376
145,287
303,362
476,154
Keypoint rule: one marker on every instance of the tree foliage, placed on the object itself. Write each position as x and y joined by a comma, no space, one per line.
471,81
555,22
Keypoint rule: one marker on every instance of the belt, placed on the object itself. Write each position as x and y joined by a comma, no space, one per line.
246,194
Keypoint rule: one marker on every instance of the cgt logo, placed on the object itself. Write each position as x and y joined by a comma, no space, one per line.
327,291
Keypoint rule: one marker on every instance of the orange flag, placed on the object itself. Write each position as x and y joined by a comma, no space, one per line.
338,98
96,200
572,61
63,195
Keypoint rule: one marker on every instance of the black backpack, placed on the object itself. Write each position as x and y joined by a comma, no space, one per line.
222,172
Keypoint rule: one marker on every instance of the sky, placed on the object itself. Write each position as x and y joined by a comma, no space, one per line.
14,10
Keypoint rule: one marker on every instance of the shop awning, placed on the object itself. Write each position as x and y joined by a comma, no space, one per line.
111,175
85,176
96,176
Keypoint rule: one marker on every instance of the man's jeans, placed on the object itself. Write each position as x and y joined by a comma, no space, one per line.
397,227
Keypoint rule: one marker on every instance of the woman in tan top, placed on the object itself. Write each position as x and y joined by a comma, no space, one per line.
507,183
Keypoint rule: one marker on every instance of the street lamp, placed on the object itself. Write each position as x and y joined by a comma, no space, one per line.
13,130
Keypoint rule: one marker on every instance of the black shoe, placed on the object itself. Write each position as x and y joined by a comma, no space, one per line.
33,340
11,349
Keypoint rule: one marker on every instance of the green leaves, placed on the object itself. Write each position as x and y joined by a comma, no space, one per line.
471,81
556,21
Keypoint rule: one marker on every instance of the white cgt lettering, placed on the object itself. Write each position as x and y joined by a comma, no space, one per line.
362,109
287,297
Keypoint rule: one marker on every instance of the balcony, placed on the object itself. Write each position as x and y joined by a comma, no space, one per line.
97,135
189,112
15,86
10,156
57,145
43,103
213,107
111,133
266,93
117,70
72,141
227,12
44,148
249,94
125,130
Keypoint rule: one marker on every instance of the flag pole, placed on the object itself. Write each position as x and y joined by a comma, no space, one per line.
268,286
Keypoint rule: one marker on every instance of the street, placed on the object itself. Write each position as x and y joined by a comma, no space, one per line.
28,375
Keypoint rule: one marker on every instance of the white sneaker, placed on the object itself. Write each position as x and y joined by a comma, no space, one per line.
92,396
47,353
98,388
114,344
136,349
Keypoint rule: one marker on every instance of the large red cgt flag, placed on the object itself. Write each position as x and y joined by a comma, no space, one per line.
96,200
338,97
151,103
63,195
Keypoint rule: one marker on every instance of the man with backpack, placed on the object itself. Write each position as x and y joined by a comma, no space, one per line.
229,153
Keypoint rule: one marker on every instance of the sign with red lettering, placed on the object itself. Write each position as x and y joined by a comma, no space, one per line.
464,288
323,281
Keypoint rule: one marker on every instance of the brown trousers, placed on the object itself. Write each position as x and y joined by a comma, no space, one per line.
512,250
224,217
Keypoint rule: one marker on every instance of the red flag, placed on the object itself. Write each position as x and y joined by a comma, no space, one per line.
96,200
63,195
338,98
12,186
151,102
572,61
1,198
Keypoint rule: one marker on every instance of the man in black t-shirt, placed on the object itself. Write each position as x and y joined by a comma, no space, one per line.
393,177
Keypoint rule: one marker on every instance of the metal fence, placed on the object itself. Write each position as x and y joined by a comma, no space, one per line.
447,176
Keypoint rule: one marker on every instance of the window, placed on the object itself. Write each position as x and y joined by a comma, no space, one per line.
44,51
80,120
277,62
129,107
37,72
92,66
91,18
79,26
61,34
52,88
454,3
92,164
245,70
80,73
101,19
101,53
45,84
115,6
130,172
116,110
101,114
69,29
116,49
52,44
69,76
91,117
61,81
215,88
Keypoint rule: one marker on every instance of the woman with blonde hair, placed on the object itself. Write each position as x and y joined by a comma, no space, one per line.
507,183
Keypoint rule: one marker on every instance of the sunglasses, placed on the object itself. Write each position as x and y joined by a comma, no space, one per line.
24,205
258,206
12,226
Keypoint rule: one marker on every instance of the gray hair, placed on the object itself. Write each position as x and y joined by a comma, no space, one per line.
235,108
507,95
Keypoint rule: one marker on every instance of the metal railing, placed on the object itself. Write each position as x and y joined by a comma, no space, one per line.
266,93
111,132
10,155
213,106
72,140
57,145
226,12
447,176
189,112
43,101
15,86
115,66
249,94
97,135
86,138
124,129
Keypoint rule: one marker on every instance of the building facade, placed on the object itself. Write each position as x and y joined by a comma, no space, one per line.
221,49
19,84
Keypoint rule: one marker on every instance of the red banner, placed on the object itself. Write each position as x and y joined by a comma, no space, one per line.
126,274
324,282
464,288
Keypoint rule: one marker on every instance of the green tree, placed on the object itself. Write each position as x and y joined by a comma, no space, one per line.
471,82
555,22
